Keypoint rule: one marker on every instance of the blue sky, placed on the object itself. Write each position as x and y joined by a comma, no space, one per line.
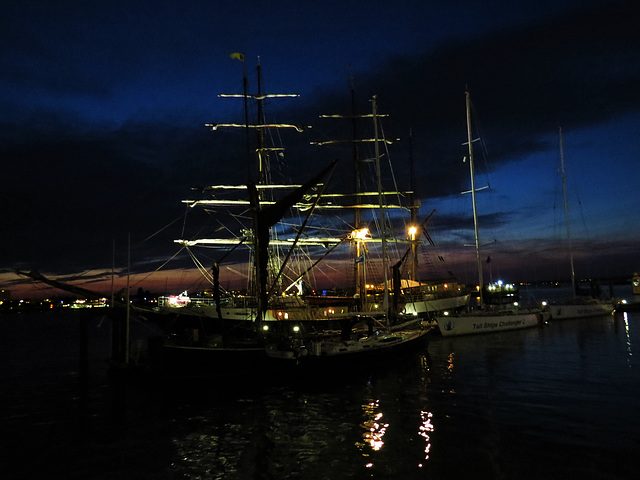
103,106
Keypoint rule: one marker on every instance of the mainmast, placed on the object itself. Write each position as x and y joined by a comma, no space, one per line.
473,195
361,235
260,138
383,228
413,209
566,211
358,266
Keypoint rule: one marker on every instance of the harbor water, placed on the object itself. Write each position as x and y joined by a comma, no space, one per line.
555,402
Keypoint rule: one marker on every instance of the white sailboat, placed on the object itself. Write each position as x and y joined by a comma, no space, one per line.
578,306
484,318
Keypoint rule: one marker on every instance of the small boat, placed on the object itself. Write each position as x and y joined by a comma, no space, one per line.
580,307
635,284
349,346
506,313
626,306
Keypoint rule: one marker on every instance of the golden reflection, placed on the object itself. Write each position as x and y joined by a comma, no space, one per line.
628,335
450,362
424,363
449,371
374,429
424,431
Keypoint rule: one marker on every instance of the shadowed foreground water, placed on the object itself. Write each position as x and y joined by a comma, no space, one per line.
557,402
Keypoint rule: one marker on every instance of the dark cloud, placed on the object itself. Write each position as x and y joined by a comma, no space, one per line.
96,144
575,70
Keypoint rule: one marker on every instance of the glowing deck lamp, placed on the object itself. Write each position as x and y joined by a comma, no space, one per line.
361,234
412,233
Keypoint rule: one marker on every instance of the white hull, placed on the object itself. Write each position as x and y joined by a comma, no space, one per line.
209,311
291,308
435,305
593,308
475,323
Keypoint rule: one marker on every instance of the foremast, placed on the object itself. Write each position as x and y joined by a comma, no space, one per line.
257,193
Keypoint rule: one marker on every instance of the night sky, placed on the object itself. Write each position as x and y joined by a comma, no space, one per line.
103,107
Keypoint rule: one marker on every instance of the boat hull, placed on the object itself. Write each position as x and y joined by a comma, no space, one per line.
580,310
474,324
191,361
423,307
334,351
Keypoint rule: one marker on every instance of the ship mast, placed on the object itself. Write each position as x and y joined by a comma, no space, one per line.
383,228
473,195
258,175
415,205
359,268
566,211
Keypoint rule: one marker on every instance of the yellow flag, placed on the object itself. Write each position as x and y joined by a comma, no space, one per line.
237,55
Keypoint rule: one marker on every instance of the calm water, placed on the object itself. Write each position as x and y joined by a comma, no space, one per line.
554,403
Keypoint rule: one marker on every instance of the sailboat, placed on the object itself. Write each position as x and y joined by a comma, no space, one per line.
485,317
377,333
578,306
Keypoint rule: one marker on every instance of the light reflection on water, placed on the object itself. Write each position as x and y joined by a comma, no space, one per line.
373,426
425,431
373,433
625,317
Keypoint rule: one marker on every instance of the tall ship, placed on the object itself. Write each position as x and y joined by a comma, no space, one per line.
277,226
411,295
